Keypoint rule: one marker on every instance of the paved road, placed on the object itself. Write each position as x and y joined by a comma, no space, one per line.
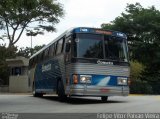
22,103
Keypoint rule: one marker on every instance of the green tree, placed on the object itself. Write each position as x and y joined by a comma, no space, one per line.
32,33
12,52
136,70
5,53
142,26
138,85
16,16
27,52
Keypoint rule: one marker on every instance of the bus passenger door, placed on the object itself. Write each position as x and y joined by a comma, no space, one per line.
68,50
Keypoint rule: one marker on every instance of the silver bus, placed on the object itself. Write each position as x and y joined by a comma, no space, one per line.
82,62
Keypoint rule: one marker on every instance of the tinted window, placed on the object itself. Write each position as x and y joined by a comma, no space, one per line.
63,44
42,56
34,61
30,63
115,48
39,57
89,46
59,46
51,50
16,71
46,53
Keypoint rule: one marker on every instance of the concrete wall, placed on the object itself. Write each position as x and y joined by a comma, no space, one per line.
18,84
4,89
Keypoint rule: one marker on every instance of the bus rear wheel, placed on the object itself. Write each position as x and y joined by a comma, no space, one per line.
60,91
35,94
104,98
38,95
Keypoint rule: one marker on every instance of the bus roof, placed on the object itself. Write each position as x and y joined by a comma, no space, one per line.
82,30
46,46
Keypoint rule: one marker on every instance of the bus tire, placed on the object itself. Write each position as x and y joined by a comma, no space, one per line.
35,94
104,98
60,91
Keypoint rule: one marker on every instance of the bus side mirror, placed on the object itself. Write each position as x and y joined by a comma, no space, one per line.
68,45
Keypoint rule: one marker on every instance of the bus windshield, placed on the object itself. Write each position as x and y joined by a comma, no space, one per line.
100,47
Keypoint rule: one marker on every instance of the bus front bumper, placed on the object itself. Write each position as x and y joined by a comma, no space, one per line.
89,90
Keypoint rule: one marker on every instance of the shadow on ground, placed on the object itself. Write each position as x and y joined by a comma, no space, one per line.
81,100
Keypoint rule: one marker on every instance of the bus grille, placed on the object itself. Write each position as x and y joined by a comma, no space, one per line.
88,68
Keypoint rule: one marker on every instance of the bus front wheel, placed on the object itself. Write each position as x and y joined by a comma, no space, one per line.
61,93
104,98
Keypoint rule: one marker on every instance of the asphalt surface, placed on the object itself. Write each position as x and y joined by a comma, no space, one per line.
26,103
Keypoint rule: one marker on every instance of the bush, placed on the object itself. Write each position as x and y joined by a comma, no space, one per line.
140,87
136,69
155,87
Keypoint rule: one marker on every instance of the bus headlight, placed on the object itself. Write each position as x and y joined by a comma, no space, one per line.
121,81
85,78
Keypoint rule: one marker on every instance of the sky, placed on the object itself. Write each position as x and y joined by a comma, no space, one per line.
86,13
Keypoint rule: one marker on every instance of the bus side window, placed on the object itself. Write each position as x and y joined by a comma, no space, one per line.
30,63
59,46
34,61
54,49
46,54
39,57
56,43
42,57
51,51
68,45
68,49
63,45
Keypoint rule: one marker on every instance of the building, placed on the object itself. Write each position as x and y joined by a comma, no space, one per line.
18,79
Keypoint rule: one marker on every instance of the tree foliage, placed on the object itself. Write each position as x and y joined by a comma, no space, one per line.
19,15
12,52
5,53
142,26
27,52
136,70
